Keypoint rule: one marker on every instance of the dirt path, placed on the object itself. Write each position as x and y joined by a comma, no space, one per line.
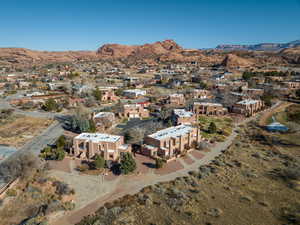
280,107
133,184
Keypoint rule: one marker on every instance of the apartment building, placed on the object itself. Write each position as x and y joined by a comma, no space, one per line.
181,116
209,109
134,111
176,99
248,107
171,142
110,147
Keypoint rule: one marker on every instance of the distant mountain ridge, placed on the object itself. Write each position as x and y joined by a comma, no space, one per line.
260,47
167,51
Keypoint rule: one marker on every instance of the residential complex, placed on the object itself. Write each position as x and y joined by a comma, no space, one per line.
110,147
209,109
248,107
171,142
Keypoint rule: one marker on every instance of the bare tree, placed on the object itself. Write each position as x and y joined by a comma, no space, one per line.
20,166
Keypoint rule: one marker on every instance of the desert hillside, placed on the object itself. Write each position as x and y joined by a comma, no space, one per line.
161,51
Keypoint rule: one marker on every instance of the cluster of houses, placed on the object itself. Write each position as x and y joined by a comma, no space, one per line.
225,92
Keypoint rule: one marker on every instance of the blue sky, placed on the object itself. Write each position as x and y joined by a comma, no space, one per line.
86,25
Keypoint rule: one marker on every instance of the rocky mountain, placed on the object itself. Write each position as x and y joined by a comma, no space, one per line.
232,61
260,47
146,50
164,51
291,55
22,57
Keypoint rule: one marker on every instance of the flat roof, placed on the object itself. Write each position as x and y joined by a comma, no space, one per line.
132,105
103,114
135,91
182,113
208,103
98,137
172,132
248,102
176,95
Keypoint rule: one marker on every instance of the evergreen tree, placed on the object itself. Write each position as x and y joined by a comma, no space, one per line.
128,163
61,141
159,163
92,126
298,93
212,128
99,162
97,94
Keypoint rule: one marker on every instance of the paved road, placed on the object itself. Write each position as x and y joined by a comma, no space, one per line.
48,136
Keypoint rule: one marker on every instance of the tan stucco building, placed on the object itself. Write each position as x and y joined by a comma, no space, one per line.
110,147
170,142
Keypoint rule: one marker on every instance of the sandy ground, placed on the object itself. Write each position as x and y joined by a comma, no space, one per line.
22,129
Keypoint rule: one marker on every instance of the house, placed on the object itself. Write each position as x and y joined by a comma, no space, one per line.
134,93
110,147
104,120
218,77
248,107
80,88
171,142
238,96
253,92
108,95
207,108
23,84
176,99
292,84
74,102
201,94
134,111
181,116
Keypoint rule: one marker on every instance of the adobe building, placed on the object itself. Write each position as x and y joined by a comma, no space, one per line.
292,84
253,92
171,142
134,111
201,94
108,95
134,93
209,109
110,147
181,116
248,107
104,120
176,99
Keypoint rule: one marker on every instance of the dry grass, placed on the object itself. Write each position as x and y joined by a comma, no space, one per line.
32,196
22,129
242,190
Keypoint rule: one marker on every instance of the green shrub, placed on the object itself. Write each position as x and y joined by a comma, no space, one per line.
159,163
